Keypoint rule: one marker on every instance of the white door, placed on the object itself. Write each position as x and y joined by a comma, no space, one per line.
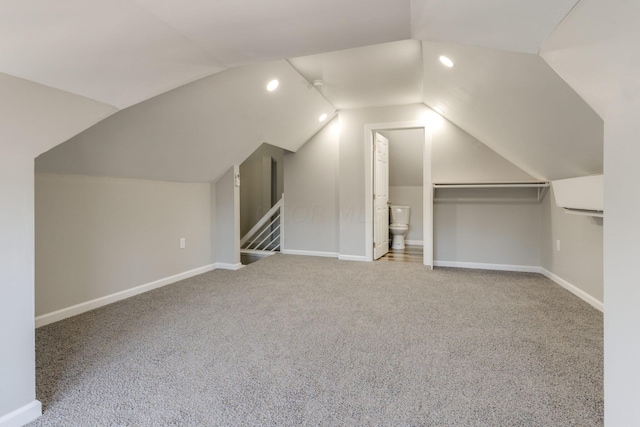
380,196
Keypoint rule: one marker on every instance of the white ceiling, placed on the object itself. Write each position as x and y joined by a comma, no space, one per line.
122,52
594,52
515,25
242,32
371,76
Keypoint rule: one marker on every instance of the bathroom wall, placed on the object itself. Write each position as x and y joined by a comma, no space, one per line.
406,148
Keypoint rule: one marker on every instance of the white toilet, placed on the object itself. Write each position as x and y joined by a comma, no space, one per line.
399,225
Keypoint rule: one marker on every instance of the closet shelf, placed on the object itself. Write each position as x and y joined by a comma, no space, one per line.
541,187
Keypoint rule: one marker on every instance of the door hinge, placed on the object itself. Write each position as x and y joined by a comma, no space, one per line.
374,197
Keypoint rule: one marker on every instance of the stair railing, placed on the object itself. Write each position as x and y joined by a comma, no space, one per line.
266,234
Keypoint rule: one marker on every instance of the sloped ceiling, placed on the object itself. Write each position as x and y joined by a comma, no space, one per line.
596,51
196,132
371,76
515,25
54,116
123,52
518,106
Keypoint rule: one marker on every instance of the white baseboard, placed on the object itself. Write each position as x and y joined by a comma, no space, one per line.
353,258
414,242
573,289
226,266
484,266
309,253
64,313
22,416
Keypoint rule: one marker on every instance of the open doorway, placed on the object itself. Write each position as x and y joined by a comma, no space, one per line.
406,194
262,186
410,186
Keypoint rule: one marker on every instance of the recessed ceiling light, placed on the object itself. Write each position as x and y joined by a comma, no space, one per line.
322,118
446,61
272,85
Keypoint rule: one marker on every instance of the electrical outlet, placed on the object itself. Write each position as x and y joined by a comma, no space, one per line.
558,245
183,243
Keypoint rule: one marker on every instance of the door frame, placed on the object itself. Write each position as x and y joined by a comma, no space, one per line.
427,185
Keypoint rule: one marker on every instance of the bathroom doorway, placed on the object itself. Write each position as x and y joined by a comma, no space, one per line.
406,188
409,185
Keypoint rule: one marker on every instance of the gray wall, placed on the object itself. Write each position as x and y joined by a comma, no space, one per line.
227,226
491,232
17,352
255,188
34,119
311,194
406,150
621,273
351,155
37,118
459,157
580,258
98,236
456,157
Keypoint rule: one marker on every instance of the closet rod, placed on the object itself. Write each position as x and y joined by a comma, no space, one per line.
488,185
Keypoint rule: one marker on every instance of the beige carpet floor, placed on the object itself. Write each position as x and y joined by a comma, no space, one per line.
304,341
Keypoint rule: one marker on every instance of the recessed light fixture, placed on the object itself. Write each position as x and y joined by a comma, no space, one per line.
446,61
322,118
272,85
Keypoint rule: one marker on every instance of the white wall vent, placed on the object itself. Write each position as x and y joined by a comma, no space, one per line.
582,195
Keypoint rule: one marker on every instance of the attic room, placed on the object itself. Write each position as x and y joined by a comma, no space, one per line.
125,125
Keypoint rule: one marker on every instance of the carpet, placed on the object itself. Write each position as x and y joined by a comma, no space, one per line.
306,341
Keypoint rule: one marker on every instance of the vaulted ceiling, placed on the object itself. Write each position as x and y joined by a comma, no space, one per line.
169,66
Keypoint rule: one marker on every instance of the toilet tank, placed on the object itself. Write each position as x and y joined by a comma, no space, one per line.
400,214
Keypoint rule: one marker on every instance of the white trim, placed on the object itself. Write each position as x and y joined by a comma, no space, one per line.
309,253
573,289
414,242
484,266
74,310
354,258
23,415
227,266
